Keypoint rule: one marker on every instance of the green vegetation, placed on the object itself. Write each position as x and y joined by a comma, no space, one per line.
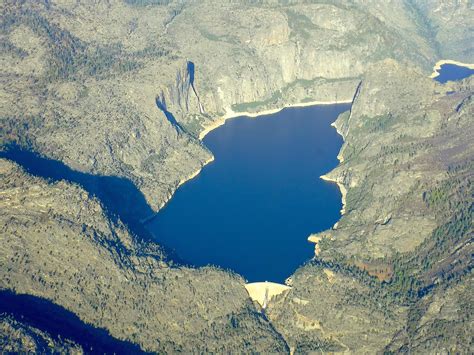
7,47
442,262
430,264
212,37
278,96
377,123
254,106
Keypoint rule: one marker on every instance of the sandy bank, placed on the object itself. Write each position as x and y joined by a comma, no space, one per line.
262,292
438,65
231,114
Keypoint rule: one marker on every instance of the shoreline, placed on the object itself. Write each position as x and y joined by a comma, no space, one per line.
340,185
232,114
196,173
219,122
439,63
343,190
271,289
181,182
339,156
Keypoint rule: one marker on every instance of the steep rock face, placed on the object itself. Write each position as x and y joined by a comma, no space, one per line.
180,99
294,46
380,129
400,258
93,106
448,23
87,91
74,256
81,83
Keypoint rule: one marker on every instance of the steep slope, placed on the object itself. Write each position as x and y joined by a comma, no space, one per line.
449,24
122,88
396,270
57,243
17,337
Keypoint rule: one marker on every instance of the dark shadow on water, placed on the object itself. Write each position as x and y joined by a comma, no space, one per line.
119,196
61,323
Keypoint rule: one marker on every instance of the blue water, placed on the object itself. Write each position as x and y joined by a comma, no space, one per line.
252,209
452,72
119,196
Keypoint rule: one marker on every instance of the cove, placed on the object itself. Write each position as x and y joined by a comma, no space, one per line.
252,209
452,72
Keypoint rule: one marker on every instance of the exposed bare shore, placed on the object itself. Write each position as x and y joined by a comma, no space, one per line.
438,65
196,173
339,155
231,114
341,187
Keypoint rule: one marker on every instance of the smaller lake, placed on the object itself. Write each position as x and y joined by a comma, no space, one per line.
253,208
453,72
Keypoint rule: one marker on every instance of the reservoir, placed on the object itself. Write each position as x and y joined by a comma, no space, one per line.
453,72
252,209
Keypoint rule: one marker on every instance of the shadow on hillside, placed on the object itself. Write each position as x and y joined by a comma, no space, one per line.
119,196
169,116
61,323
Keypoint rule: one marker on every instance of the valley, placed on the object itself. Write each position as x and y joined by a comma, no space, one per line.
109,108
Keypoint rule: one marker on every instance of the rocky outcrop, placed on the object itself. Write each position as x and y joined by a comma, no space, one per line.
91,100
75,257
18,337
447,23
179,99
117,89
393,270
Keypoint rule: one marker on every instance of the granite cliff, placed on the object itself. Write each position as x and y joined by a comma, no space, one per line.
118,92
87,83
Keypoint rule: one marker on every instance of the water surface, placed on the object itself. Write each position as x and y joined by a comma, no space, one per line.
252,209
453,72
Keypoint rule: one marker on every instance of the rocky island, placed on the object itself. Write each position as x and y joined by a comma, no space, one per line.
103,109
